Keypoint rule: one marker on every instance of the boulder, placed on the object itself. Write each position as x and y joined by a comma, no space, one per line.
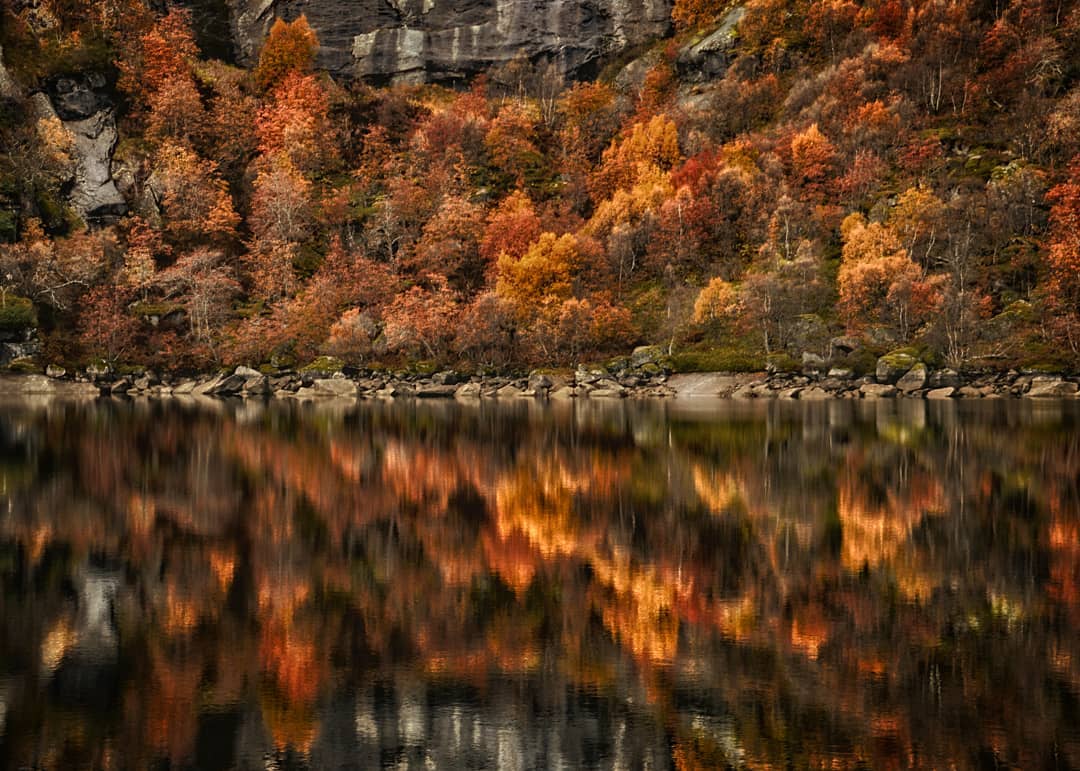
206,387
618,392
647,354
436,391
55,371
941,393
877,390
247,372
913,379
467,391
540,381
968,392
814,394
448,378
1051,387
256,385
944,378
229,385
334,386
184,388
394,390
565,392
841,373
509,391
892,366
843,344
812,362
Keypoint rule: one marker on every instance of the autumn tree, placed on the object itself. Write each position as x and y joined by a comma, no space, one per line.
450,245
511,228
204,283
106,328
294,122
195,201
654,144
879,284
290,47
420,319
542,278
812,159
1064,256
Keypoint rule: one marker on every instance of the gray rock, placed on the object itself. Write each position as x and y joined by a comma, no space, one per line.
182,389
618,392
509,392
256,385
877,390
333,386
413,41
708,57
813,362
943,378
968,392
55,371
913,379
540,380
436,391
247,372
207,387
844,344
1051,387
814,395
467,391
94,194
9,89
841,373
447,377
566,392
941,393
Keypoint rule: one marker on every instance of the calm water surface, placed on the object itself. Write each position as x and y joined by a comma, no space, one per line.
847,585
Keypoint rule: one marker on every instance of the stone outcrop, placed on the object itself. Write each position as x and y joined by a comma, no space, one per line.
445,40
88,115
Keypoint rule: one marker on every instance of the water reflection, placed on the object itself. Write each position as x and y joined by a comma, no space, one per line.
208,585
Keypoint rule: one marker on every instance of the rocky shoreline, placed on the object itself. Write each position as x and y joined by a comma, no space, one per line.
638,376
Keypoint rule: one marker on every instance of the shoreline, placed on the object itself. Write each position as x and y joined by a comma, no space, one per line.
630,383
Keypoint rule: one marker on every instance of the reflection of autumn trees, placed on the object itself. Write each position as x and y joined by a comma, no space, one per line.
836,586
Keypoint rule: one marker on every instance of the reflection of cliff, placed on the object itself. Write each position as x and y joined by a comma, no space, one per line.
397,579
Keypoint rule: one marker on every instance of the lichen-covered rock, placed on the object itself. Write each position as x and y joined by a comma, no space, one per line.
892,366
442,40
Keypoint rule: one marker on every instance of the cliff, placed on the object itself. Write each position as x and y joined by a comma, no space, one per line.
445,40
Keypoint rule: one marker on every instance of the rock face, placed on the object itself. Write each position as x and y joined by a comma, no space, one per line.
445,40
89,117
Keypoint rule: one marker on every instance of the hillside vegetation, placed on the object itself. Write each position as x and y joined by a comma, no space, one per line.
905,173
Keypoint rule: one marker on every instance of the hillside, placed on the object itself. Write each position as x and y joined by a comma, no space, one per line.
771,183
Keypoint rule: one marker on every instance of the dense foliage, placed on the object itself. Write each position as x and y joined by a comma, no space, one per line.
906,171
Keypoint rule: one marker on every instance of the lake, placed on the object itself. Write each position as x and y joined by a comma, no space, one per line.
217,585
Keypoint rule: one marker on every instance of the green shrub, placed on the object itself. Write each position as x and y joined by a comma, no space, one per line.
17,313
718,360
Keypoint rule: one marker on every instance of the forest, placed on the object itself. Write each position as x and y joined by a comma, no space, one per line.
900,173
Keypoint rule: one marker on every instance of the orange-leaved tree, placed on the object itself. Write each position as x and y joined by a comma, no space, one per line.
290,47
